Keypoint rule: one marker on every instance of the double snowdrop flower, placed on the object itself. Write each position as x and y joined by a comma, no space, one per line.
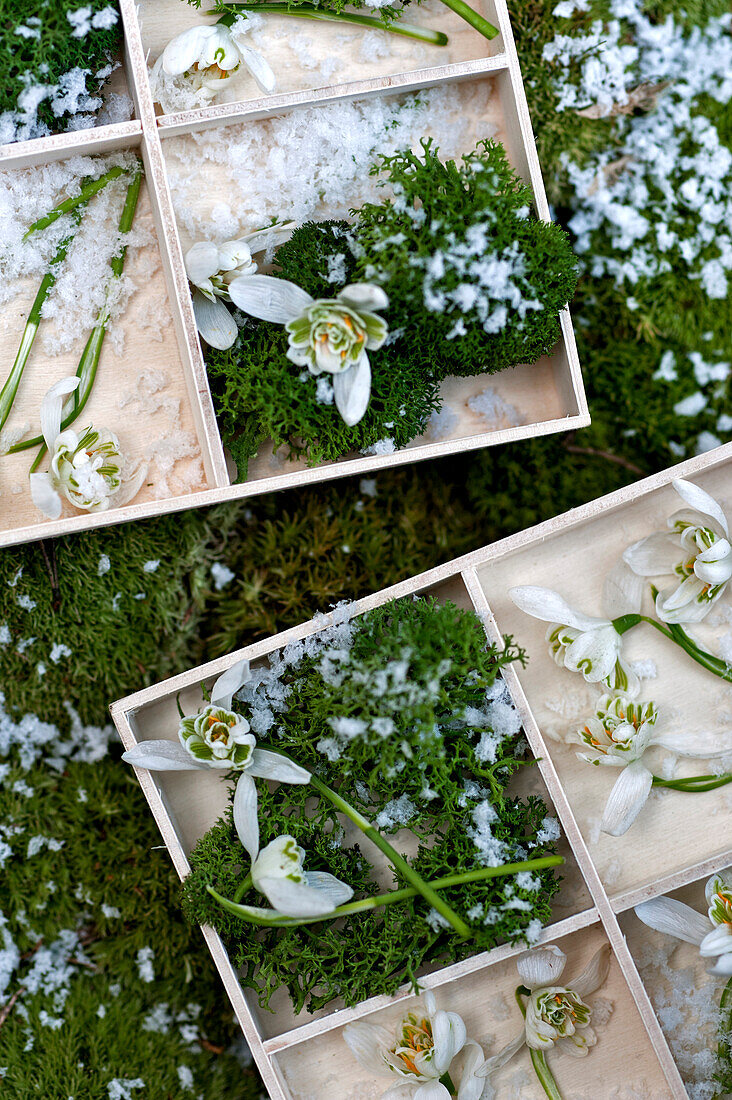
89,470
418,1057
330,335
212,268
203,60
218,737
674,918
617,736
556,1014
697,552
579,642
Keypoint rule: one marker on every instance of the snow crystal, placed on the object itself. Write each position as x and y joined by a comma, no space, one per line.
151,566
221,575
121,1088
442,423
399,811
110,911
497,412
380,447
690,406
533,931
25,602
59,650
549,831
185,1076
104,565
21,787
367,486
491,851
144,960
324,392
36,843
646,669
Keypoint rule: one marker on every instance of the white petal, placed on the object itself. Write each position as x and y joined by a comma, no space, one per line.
679,604
545,604
215,323
653,556
432,1090
202,261
627,799
714,565
685,593
258,67
701,745
352,390
51,406
403,1090
701,501
185,49
337,892
295,899
270,765
449,1034
623,592
723,966
471,1086
673,918
368,1043
716,942
597,649
577,1045
269,299
233,254
131,485
229,683
364,296
221,49
162,756
44,496
541,966
246,821
271,237
594,974
496,1061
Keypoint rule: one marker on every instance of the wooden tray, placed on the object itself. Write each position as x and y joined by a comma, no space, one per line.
571,552
549,395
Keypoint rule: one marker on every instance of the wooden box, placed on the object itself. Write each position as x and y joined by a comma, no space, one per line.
605,879
548,396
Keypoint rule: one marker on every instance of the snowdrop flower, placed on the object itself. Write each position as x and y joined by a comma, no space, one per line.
88,469
211,268
218,737
674,918
420,1054
324,334
579,642
556,1015
697,552
203,60
618,735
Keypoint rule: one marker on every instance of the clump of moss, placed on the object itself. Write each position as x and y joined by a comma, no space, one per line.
394,712
475,284
38,48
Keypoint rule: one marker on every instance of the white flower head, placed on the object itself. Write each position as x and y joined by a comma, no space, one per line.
618,735
579,642
218,737
418,1053
278,873
88,469
331,335
556,1014
697,552
202,61
211,269
674,918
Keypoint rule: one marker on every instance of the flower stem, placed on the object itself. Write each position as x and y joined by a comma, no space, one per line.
88,190
310,11
399,863
676,634
546,1079
446,1080
87,369
694,783
10,389
391,898
471,16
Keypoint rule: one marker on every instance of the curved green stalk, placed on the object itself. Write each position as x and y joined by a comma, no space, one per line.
87,368
10,389
379,900
310,11
694,783
678,635
473,17
538,1059
88,190
446,1080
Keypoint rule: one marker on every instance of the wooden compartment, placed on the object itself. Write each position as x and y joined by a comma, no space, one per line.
548,396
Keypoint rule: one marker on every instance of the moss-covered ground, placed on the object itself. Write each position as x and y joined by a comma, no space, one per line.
109,993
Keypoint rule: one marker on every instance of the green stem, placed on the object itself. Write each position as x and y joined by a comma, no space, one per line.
679,637
470,16
310,11
446,1080
694,783
399,863
88,190
10,389
89,362
379,900
538,1060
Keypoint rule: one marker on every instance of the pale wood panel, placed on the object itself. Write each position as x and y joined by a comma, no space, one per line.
622,1057
575,560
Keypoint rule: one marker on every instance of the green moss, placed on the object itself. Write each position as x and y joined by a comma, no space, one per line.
44,59
415,675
